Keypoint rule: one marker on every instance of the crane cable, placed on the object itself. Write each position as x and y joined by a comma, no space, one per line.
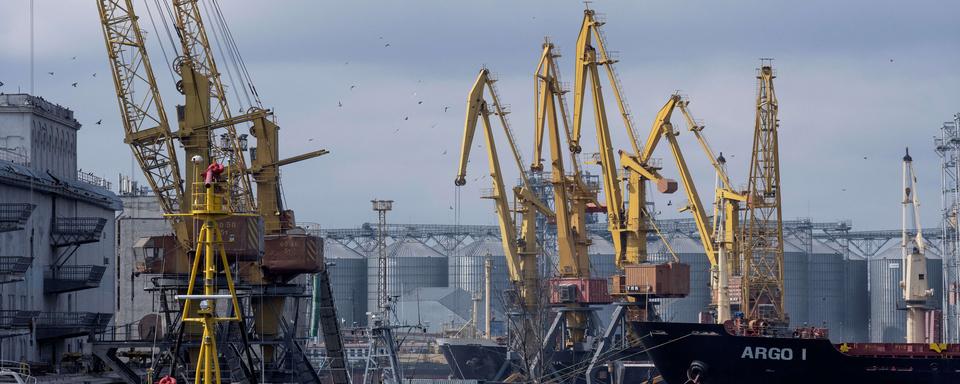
663,238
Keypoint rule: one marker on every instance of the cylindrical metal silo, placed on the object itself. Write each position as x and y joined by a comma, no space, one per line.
856,307
689,251
887,322
795,278
410,264
467,270
825,294
348,280
603,262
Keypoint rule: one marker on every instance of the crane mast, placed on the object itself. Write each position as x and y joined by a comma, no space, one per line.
914,283
198,56
762,257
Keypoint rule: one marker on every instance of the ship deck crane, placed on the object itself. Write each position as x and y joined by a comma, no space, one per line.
916,290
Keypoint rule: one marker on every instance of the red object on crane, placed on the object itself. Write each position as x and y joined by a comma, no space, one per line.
167,380
212,173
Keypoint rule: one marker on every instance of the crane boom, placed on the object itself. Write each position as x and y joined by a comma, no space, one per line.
145,124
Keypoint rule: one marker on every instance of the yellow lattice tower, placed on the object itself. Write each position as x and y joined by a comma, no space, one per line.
210,204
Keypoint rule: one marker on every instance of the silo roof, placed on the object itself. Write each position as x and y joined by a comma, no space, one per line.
486,246
600,246
679,244
411,248
893,251
333,249
820,247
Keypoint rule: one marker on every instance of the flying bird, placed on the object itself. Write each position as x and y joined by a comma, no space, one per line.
444,152
352,87
99,122
50,73
386,45
74,58
396,130
1,83
445,108
405,118
74,85
339,104
419,102
94,74
310,139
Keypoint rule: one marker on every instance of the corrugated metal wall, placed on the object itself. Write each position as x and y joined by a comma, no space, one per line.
410,264
348,279
887,320
795,281
825,293
856,307
689,251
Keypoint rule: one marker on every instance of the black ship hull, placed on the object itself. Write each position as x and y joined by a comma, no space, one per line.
474,359
485,361
708,354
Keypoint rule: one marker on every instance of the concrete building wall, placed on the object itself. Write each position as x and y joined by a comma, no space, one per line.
41,131
141,217
39,166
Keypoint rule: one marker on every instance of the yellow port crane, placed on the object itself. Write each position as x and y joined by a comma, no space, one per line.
521,251
718,238
573,289
147,131
627,228
762,230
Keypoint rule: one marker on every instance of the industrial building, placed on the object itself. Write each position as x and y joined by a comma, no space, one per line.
57,231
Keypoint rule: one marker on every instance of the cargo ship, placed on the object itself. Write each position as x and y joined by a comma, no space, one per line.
724,354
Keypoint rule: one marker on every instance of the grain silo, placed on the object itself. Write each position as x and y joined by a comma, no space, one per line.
689,251
603,262
887,320
856,307
825,294
410,264
467,270
795,278
348,280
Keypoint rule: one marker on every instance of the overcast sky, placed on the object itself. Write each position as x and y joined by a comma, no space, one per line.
857,82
